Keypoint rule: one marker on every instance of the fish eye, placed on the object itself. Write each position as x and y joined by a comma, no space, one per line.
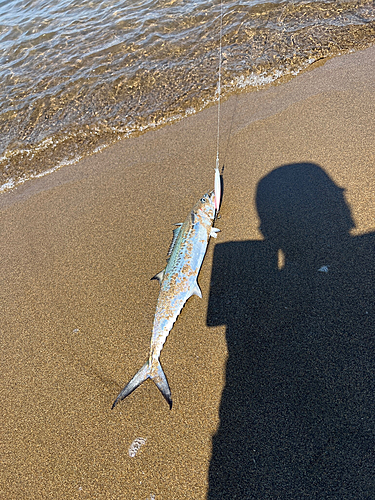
203,200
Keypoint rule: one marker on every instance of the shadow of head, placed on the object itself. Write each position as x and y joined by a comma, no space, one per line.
302,211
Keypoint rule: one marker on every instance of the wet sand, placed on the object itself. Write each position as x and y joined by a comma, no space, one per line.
78,249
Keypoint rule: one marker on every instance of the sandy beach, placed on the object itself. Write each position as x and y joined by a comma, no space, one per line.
271,373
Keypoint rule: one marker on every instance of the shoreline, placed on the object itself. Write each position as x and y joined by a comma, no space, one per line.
79,247
14,185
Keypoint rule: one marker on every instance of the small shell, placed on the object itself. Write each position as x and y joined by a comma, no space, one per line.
323,269
135,446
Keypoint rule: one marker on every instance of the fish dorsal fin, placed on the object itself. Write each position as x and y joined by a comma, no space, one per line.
159,276
176,232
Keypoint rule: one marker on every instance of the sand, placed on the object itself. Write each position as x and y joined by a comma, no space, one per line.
271,373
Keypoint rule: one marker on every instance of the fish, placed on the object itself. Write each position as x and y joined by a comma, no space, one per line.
178,282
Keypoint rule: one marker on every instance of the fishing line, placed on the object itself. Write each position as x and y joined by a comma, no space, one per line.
219,86
217,182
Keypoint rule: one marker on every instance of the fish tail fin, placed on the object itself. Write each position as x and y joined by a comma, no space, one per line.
162,384
143,374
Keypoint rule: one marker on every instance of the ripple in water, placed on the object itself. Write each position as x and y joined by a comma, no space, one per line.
76,76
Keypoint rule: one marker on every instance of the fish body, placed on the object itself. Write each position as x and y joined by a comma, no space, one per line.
178,282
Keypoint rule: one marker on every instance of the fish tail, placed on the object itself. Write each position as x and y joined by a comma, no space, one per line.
143,374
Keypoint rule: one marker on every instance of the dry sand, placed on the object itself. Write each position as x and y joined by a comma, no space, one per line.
78,248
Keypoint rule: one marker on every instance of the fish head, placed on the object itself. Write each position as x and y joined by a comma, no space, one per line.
206,206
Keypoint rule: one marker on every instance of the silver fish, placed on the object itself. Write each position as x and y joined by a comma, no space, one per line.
178,282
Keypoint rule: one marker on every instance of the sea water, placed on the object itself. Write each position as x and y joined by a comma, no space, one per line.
78,75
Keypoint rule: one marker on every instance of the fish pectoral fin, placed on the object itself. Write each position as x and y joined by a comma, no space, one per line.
159,276
214,231
196,290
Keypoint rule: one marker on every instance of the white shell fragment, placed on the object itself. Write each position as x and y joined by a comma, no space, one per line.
135,446
323,269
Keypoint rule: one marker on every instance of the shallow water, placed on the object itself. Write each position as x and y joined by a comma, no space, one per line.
76,76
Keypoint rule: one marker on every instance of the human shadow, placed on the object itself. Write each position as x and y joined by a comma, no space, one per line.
297,412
